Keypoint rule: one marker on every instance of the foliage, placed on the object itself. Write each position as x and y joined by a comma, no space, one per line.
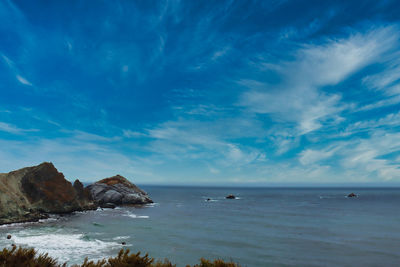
29,257
25,257
124,259
215,263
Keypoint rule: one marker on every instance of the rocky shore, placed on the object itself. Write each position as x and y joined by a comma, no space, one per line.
32,193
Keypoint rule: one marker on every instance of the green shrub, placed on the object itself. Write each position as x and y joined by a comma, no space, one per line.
28,257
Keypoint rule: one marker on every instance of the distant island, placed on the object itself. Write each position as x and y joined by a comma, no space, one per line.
32,193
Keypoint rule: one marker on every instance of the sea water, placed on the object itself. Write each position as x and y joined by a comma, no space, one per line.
262,227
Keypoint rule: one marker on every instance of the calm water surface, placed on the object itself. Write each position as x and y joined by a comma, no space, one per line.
264,227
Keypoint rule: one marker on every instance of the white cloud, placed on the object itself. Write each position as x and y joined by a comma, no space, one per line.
205,140
388,121
86,159
299,98
381,103
362,160
310,156
220,53
5,127
213,170
132,134
10,128
23,80
367,156
15,70
384,80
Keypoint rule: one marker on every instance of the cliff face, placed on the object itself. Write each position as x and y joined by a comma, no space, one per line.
117,190
29,193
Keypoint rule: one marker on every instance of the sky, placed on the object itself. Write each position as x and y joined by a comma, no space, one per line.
202,92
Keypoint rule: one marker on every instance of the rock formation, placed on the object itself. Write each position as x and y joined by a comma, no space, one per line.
31,193
117,190
230,197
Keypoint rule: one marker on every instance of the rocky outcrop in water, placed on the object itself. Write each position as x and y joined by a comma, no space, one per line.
31,193
117,190
351,195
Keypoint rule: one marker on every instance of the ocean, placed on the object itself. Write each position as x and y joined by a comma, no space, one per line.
262,227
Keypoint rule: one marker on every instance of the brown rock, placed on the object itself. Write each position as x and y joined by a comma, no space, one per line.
30,193
8,236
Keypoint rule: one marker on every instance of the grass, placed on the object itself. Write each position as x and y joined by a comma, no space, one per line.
29,257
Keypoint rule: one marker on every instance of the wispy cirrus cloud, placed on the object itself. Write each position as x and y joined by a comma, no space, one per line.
12,129
15,71
299,98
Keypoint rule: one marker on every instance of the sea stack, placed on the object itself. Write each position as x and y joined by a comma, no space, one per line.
117,190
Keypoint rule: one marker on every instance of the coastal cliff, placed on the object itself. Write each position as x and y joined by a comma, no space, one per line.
31,193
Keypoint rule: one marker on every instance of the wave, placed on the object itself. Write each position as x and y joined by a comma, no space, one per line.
66,247
132,215
121,237
152,205
22,224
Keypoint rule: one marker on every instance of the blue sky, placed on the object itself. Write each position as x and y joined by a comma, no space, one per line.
202,92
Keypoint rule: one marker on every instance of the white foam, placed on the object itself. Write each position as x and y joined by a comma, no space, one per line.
65,247
132,215
138,216
51,219
152,204
121,237
48,220
15,224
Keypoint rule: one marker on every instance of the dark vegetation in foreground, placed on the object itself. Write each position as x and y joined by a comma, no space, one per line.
29,257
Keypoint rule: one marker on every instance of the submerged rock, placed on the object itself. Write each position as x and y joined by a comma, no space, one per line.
118,191
230,197
29,194
352,195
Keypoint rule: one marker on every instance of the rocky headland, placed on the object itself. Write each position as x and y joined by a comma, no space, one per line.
32,193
